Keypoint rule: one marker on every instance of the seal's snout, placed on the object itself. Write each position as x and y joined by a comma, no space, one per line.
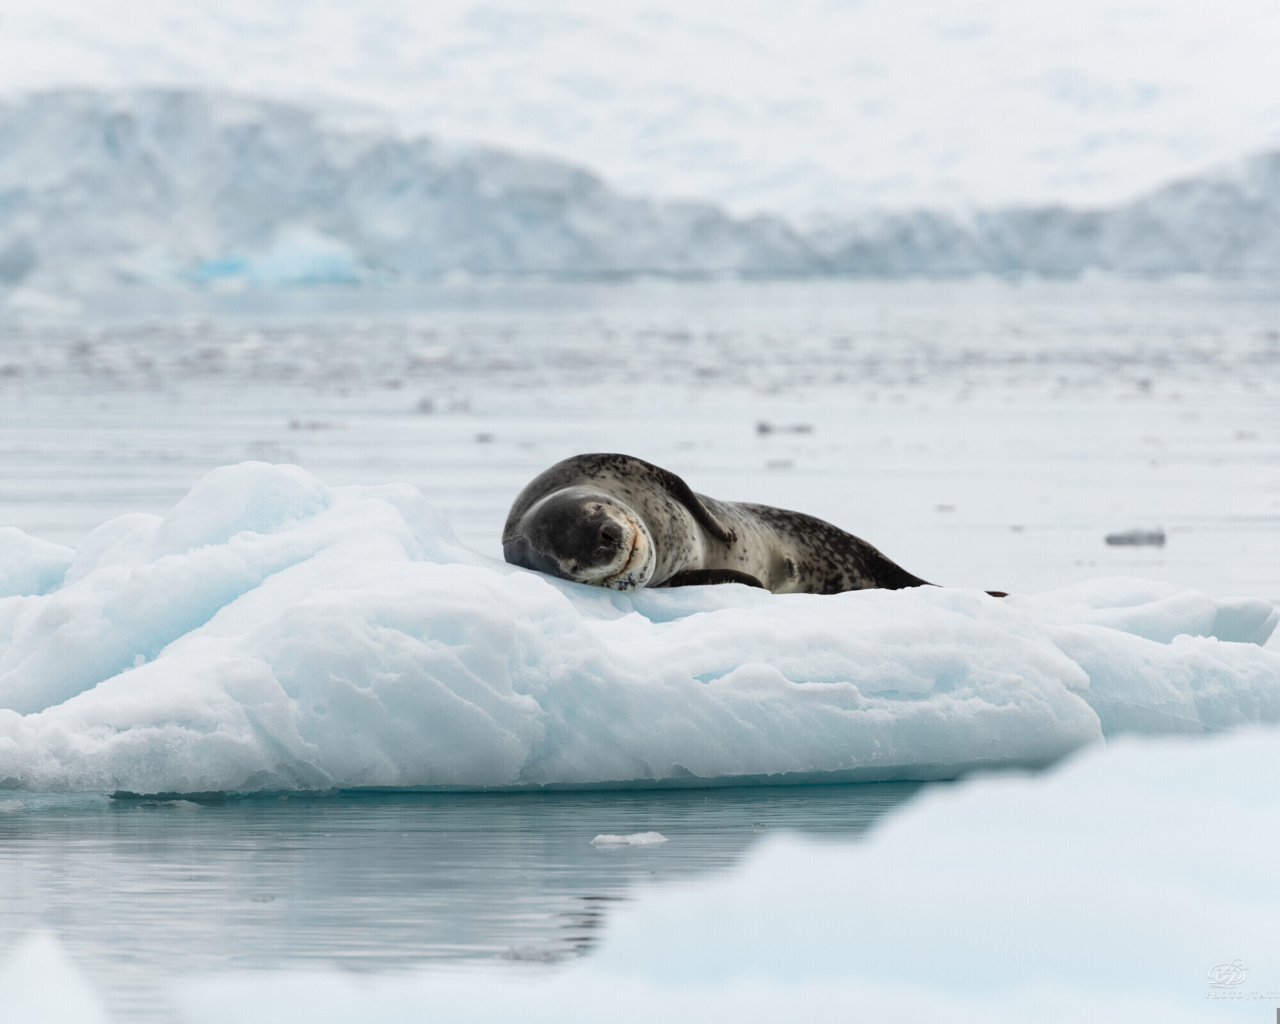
520,552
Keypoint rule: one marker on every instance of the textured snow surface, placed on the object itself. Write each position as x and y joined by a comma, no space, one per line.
270,632
999,900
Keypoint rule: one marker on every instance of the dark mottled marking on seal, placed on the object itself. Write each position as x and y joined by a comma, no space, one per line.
567,521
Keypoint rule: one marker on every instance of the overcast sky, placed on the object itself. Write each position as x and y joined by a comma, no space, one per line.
796,106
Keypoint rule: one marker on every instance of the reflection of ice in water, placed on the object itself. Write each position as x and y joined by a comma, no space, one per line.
142,891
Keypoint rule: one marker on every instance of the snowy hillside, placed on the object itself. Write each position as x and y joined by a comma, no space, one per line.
163,186
1226,223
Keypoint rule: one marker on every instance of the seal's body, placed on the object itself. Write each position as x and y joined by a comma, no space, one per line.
619,522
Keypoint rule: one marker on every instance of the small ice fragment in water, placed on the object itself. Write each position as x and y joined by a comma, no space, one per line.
1137,538
635,839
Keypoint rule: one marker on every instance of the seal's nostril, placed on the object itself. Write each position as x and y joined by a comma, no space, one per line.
610,535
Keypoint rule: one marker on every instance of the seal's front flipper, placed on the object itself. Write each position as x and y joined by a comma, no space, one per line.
706,577
683,493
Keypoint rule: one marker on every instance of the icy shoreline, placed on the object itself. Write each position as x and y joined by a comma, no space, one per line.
272,633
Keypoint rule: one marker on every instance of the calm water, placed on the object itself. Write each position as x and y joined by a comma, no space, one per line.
981,433
142,891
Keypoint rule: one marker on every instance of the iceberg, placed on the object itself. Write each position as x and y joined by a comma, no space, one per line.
273,633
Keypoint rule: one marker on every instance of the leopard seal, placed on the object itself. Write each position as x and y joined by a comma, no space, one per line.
619,522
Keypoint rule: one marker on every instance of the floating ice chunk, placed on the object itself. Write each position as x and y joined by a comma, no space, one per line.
635,839
998,871
1001,900
273,633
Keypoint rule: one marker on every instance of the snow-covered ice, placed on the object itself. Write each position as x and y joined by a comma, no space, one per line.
1106,891
270,632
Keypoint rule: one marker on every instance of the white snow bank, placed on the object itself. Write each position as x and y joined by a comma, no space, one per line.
1107,890
270,632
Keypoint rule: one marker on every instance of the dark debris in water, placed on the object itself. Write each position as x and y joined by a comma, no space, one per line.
125,796
1137,538
764,427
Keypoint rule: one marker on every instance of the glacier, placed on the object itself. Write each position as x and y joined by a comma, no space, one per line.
163,187
273,633
179,189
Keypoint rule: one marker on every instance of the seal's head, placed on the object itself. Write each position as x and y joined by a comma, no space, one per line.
584,535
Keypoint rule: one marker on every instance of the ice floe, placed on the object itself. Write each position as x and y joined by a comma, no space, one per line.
1135,883
634,839
270,632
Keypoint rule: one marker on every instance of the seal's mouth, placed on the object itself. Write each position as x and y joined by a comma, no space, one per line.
637,568
626,562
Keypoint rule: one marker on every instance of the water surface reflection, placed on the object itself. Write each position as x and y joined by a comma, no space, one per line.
143,891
